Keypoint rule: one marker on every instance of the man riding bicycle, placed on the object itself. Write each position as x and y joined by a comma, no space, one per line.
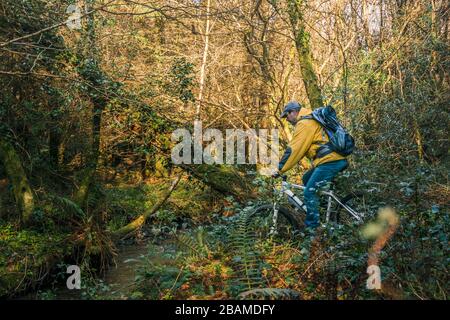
307,139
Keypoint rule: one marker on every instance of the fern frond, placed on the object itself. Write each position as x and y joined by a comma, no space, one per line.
68,205
270,293
247,262
194,247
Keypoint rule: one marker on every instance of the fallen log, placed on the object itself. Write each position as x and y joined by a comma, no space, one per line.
130,228
226,180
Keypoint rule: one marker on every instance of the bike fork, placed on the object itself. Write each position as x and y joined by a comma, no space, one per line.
328,210
273,228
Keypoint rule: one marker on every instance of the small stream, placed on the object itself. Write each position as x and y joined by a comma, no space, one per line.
120,278
119,281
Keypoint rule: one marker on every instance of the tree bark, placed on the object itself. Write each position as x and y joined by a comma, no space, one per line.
223,179
204,59
301,39
23,192
140,221
92,73
88,173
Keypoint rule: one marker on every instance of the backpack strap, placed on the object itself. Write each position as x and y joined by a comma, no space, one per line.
309,116
325,148
323,151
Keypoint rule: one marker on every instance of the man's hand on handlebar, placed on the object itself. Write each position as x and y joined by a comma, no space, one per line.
277,175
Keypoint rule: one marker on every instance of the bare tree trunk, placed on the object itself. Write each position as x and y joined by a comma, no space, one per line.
381,23
255,42
365,23
203,67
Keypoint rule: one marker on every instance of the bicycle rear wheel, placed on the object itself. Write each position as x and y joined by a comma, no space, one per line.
261,221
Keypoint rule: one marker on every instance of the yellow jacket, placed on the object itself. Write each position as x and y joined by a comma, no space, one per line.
307,138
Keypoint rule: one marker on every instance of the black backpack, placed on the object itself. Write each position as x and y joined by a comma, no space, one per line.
340,140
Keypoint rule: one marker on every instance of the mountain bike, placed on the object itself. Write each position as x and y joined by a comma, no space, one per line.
285,216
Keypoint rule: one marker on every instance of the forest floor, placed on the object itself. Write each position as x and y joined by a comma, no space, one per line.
33,263
188,251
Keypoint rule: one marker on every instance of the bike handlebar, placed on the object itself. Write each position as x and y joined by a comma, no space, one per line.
283,177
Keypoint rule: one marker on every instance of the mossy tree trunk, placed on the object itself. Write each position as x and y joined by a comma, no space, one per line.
88,172
91,72
21,187
301,39
224,179
140,221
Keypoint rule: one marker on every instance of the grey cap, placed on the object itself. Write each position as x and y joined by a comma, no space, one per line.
292,105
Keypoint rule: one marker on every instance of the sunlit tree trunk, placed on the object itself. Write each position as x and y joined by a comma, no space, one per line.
204,60
365,23
301,38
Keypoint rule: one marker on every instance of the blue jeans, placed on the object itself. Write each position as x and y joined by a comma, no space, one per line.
313,180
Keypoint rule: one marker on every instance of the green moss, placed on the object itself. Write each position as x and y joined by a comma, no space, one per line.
190,199
22,190
225,179
25,255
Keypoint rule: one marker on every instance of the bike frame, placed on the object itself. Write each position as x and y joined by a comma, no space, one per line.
286,190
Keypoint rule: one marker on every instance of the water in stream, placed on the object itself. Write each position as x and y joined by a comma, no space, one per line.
119,281
121,277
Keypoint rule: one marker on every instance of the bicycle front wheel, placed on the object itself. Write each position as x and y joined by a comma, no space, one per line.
264,224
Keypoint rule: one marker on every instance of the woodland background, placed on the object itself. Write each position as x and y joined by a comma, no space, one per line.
86,117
